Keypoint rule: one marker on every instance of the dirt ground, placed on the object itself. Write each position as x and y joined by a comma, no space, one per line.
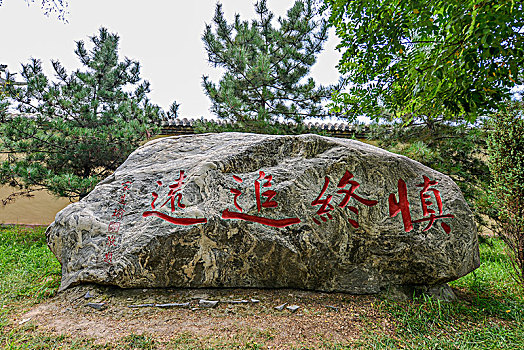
241,314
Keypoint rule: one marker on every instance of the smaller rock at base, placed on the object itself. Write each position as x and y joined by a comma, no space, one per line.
334,308
170,305
397,293
255,301
238,301
442,292
281,307
140,305
207,303
293,308
96,306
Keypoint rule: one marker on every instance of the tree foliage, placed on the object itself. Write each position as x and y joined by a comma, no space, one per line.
71,132
458,150
506,145
4,103
404,59
58,7
266,66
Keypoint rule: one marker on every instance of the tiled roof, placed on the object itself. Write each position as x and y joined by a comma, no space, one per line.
184,126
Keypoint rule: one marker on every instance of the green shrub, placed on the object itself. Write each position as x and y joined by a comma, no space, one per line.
506,145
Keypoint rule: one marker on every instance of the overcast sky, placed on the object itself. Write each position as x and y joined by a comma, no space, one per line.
164,36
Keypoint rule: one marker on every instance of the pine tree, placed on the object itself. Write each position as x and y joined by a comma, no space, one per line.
72,132
4,103
266,67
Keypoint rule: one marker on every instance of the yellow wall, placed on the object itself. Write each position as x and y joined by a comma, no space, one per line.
38,210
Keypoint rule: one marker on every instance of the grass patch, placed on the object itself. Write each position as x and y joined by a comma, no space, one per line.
488,315
29,272
29,339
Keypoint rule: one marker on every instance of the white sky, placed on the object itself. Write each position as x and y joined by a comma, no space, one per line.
164,36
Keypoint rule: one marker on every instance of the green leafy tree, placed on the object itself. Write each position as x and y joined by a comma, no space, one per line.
266,67
455,59
506,145
72,132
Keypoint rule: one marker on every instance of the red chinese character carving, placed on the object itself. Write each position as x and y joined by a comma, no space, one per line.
126,185
174,198
263,181
269,194
426,211
402,206
108,257
173,220
326,207
344,181
173,193
118,213
424,197
113,226
111,241
237,194
122,199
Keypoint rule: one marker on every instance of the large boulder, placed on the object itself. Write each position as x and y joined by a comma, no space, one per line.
245,210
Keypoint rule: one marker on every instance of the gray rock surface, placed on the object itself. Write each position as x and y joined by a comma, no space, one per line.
96,306
171,305
293,308
207,303
281,307
245,210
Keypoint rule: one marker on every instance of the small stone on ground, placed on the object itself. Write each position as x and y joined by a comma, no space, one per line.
281,307
207,303
96,306
293,308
